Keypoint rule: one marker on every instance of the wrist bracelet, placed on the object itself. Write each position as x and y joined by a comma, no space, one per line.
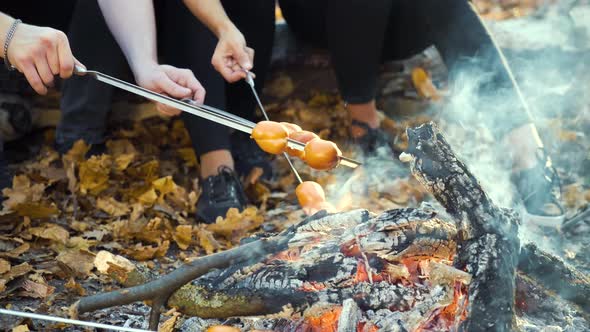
9,36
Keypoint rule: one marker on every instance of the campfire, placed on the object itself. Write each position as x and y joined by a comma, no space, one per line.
412,269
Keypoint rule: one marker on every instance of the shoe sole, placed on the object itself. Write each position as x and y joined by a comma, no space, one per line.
543,221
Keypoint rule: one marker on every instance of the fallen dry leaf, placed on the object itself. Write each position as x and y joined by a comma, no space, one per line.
36,210
17,271
168,325
140,252
189,156
78,152
123,161
51,232
94,174
280,87
147,172
423,84
148,198
237,224
4,266
36,290
21,328
104,260
75,287
206,240
112,206
183,236
22,191
14,253
164,185
76,262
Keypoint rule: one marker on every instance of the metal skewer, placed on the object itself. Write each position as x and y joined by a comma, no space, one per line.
68,321
203,111
250,82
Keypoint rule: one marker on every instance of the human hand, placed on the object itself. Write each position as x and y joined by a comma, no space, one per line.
171,81
41,53
232,57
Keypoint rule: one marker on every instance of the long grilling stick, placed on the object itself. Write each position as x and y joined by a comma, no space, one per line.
511,76
68,321
200,110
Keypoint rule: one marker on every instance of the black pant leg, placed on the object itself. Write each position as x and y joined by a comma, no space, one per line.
306,19
187,43
355,32
85,102
256,20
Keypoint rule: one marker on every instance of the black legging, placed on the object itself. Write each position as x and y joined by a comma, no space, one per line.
183,42
361,34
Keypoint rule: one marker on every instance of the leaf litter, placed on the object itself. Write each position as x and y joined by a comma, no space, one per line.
72,225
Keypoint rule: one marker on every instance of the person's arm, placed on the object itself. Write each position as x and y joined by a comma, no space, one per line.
232,56
133,25
37,52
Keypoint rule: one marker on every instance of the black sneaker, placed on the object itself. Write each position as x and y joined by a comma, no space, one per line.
247,155
540,190
220,193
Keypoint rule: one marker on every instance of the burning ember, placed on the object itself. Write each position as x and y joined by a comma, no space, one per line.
396,267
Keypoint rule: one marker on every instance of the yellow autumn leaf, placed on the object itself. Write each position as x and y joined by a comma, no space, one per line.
149,197
164,185
94,174
189,156
183,236
77,153
75,287
51,232
77,262
36,210
120,147
22,191
21,328
112,206
237,224
140,252
206,240
36,289
168,325
4,266
148,171
423,84
123,161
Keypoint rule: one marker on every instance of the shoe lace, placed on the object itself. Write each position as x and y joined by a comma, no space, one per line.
218,186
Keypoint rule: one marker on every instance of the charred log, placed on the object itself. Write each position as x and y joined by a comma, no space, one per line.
556,275
488,242
536,303
159,290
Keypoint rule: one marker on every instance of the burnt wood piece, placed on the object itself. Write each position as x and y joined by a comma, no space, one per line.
536,303
488,242
316,267
555,274
159,290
